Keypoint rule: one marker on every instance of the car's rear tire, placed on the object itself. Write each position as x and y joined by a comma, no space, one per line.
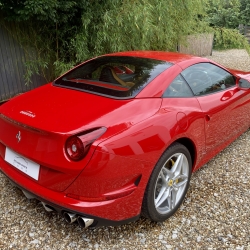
168,183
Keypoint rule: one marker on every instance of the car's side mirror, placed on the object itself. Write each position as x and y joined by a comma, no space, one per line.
243,84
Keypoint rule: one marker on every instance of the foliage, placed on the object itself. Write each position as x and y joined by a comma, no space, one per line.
229,39
135,25
223,13
47,26
36,57
224,16
76,30
245,12
62,67
65,32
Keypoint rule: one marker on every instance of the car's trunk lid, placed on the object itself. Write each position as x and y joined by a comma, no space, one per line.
45,117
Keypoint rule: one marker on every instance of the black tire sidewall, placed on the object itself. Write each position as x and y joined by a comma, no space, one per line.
149,209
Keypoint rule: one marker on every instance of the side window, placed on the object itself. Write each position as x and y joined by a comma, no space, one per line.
178,88
206,78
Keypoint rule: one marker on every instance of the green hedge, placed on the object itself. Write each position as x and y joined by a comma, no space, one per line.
229,39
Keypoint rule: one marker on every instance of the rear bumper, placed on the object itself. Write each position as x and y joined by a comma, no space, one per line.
98,221
105,213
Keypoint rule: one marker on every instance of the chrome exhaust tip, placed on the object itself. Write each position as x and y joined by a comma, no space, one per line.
84,222
70,218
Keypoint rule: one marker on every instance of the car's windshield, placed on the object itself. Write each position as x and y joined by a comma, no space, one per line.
115,76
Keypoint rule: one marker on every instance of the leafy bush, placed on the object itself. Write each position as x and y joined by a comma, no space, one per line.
224,17
223,13
245,12
46,27
230,39
68,31
135,25
65,32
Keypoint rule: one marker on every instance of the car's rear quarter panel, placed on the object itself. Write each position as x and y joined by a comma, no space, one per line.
136,150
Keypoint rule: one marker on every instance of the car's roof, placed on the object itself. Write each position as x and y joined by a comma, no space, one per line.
172,57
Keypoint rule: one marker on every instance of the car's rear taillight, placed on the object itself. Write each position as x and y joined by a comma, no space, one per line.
77,146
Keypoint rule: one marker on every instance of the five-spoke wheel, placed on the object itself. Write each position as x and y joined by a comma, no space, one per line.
168,183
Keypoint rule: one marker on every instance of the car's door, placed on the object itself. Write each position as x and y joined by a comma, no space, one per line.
226,108
183,114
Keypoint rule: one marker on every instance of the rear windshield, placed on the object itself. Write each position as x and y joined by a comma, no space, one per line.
115,76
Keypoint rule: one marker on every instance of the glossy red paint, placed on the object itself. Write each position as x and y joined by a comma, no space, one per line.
43,140
110,181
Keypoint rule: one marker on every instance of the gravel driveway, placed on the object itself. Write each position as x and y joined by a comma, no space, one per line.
214,215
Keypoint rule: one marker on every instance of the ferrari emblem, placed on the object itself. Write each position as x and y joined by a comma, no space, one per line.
170,183
18,136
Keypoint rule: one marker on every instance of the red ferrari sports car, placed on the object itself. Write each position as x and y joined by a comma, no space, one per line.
119,135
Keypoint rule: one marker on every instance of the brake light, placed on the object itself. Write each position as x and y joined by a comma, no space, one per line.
77,146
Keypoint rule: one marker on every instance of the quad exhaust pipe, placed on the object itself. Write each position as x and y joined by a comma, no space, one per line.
71,218
82,221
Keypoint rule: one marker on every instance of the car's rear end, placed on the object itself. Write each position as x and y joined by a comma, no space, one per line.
51,142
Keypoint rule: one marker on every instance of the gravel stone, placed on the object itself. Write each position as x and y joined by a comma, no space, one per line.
174,236
234,59
215,213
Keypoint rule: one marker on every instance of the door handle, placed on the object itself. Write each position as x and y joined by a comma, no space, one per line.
227,95
224,98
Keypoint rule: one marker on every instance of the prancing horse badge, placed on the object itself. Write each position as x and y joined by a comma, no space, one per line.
18,136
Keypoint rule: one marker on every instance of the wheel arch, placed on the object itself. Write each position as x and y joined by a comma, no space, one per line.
189,144
181,146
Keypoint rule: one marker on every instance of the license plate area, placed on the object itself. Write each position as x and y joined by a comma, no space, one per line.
20,162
